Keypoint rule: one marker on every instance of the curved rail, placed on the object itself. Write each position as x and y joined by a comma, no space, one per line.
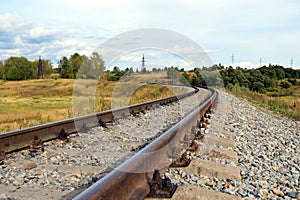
129,180
19,139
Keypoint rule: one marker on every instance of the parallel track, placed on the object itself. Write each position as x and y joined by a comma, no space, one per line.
19,139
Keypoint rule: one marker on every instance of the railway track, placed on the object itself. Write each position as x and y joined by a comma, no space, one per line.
40,145
140,176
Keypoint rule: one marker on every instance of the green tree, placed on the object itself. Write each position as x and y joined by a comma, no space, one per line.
18,68
92,67
279,72
186,77
256,80
65,68
1,69
258,87
172,73
76,61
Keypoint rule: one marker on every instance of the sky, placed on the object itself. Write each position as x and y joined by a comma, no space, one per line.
247,29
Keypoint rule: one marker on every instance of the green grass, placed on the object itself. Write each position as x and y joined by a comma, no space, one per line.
275,101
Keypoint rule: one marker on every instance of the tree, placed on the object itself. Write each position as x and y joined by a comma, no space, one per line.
279,72
172,73
18,68
1,69
258,87
65,68
186,77
256,80
76,61
92,67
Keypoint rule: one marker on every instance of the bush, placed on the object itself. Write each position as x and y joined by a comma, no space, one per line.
229,86
113,78
272,89
285,84
258,87
293,81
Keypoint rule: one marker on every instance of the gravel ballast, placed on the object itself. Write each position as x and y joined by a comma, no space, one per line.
268,152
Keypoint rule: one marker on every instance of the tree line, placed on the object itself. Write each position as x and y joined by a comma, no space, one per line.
91,67
81,66
261,79
20,68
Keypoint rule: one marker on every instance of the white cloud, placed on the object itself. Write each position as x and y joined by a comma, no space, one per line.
10,23
40,31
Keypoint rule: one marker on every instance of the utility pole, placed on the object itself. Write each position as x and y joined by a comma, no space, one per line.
232,60
292,62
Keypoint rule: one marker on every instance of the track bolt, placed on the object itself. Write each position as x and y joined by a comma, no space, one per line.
193,147
63,135
199,136
36,143
183,161
161,188
102,123
84,128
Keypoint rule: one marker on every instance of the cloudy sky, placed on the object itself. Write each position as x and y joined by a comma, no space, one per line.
249,29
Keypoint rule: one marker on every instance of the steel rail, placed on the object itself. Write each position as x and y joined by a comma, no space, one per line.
22,138
129,180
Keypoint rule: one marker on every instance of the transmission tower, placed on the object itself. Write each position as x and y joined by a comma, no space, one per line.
143,64
260,59
232,60
292,62
40,69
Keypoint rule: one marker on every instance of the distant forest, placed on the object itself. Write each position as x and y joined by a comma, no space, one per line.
261,79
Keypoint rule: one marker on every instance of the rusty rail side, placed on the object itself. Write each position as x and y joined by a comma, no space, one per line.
19,139
129,180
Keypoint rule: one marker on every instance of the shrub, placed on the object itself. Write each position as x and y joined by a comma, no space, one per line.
285,84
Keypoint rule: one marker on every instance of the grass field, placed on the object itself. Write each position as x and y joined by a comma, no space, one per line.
281,101
32,102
